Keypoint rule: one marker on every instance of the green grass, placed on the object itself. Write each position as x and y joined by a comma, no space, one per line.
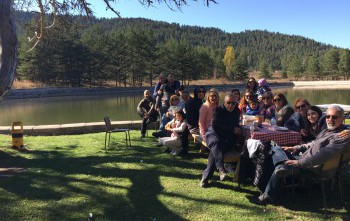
67,177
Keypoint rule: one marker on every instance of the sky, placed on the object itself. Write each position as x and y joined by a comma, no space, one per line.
326,21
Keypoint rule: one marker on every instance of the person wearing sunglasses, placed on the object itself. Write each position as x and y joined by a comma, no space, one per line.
298,121
206,112
248,97
252,86
223,133
283,111
327,144
317,122
192,114
268,108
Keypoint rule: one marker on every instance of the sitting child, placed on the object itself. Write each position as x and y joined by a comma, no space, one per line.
263,86
176,126
253,108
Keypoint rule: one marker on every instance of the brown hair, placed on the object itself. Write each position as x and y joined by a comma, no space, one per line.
282,97
299,99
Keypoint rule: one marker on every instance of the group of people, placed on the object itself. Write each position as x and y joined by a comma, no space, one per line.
219,126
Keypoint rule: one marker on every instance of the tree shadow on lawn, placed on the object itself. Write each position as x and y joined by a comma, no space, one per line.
52,176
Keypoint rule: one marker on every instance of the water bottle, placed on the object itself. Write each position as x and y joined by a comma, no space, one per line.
273,122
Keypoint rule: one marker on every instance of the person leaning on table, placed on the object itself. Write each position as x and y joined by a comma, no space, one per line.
327,144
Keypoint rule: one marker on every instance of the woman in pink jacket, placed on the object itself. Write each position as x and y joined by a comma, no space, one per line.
206,110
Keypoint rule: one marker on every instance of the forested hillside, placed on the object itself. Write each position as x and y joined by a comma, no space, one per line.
132,51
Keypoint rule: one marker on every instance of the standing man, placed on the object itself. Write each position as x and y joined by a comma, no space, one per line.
221,136
327,144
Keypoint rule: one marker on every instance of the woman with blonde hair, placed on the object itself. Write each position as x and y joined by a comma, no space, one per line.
206,110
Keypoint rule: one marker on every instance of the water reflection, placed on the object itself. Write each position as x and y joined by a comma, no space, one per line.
62,110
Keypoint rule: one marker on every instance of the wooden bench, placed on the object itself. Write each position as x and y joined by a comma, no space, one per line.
229,157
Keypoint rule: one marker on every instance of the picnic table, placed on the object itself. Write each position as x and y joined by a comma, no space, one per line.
281,135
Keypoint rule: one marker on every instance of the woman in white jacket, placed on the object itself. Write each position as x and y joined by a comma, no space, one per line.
176,127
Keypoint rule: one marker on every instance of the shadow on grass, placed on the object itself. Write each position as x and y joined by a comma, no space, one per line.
54,176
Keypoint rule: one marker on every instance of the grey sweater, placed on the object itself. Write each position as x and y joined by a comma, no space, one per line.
326,145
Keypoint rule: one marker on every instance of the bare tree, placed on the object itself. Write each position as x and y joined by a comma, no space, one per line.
8,37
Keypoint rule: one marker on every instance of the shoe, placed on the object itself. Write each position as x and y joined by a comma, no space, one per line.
177,152
264,199
143,136
167,150
204,183
222,175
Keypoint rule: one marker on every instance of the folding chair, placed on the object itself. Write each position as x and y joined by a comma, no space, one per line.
110,130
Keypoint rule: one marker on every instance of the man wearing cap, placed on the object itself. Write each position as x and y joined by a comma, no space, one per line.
327,144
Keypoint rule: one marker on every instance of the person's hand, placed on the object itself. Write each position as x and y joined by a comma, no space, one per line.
167,114
344,134
289,149
291,162
304,132
146,116
167,127
159,92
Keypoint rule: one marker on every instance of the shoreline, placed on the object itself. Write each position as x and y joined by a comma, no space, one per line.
66,92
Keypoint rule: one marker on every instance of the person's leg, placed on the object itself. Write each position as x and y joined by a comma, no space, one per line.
184,141
143,127
273,185
278,155
209,171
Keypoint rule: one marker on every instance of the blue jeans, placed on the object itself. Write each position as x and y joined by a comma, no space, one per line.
278,156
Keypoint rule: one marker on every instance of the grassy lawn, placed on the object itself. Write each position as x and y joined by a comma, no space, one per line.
68,177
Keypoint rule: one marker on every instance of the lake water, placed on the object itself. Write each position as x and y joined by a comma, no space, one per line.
62,110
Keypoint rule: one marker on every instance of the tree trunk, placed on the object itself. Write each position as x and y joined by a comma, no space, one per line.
8,46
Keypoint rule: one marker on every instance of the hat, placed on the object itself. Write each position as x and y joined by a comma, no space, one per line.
262,82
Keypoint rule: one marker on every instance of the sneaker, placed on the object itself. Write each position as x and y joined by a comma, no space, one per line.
264,199
177,152
222,175
204,183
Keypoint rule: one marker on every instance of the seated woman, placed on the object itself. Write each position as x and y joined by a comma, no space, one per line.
248,96
146,110
175,105
236,94
253,108
206,110
316,121
268,108
283,110
176,127
252,86
298,121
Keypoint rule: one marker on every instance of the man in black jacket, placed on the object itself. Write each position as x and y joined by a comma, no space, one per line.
221,136
326,145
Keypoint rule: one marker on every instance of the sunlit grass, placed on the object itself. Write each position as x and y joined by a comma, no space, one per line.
67,177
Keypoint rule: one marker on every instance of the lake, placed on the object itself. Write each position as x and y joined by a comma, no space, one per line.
63,110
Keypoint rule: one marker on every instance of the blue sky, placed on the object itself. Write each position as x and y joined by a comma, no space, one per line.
326,21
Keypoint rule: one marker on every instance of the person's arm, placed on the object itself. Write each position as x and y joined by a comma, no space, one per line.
141,108
201,121
180,128
156,88
334,147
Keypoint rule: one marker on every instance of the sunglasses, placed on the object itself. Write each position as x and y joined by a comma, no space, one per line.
334,117
229,102
277,99
301,106
265,98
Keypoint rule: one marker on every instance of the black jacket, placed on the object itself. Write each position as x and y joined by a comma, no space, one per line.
192,109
